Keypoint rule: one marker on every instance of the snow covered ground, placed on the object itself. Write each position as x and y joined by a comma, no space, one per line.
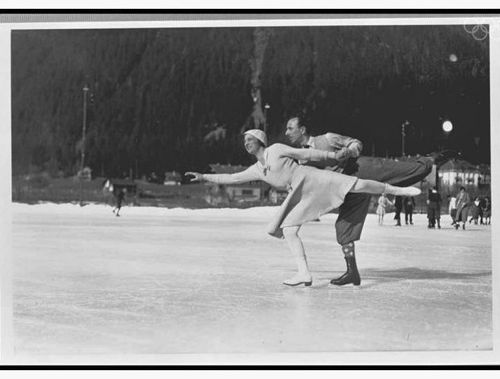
194,281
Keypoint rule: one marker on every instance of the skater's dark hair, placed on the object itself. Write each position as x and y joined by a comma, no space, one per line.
302,120
297,117
462,188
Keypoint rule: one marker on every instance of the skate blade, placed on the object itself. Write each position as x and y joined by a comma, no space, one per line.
346,287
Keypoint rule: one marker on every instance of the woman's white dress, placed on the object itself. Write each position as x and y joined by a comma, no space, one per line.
312,192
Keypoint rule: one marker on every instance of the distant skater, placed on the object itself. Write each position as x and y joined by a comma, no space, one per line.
398,205
409,206
476,211
452,208
434,208
312,191
487,211
463,206
383,203
119,196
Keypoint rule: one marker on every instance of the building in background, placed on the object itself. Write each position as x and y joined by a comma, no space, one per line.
456,173
85,174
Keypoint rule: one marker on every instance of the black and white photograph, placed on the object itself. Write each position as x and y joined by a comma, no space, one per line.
270,188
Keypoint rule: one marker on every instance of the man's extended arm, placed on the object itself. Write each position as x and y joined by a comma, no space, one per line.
309,155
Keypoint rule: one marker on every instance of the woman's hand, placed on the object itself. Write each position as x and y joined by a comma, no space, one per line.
197,177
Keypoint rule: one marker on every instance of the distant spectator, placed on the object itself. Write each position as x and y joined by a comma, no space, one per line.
475,211
463,206
486,208
119,196
398,204
409,206
452,208
482,202
383,203
434,208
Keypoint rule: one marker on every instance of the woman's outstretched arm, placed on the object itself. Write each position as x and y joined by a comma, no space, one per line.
248,175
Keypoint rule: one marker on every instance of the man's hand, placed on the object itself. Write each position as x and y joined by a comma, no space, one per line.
343,154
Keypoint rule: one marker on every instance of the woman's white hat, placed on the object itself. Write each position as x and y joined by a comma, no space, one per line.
259,134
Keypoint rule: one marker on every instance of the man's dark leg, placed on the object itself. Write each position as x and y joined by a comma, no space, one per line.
397,217
431,217
352,213
349,225
352,274
404,173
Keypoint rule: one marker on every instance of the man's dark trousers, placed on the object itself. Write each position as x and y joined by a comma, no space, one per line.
352,213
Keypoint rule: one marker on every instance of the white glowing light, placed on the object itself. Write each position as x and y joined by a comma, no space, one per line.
447,126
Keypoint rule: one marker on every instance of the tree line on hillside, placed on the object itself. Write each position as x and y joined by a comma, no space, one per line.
178,99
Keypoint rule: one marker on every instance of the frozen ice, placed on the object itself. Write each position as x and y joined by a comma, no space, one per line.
159,280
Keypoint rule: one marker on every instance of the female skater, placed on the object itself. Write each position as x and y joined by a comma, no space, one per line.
463,208
312,192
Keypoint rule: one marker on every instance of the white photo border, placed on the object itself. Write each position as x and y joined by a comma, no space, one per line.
243,20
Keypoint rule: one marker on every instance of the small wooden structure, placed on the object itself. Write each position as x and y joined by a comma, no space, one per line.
172,179
116,185
129,187
85,174
277,196
222,194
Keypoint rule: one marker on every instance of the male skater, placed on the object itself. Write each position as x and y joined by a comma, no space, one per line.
398,204
119,196
409,206
353,211
434,208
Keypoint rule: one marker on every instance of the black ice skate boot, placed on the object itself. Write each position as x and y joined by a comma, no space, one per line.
351,275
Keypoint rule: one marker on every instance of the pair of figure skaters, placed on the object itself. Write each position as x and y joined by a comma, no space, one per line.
323,173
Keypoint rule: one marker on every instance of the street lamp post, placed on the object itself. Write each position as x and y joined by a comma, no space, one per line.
403,135
266,109
447,127
85,90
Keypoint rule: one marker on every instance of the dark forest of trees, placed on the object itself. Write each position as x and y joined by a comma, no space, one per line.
158,96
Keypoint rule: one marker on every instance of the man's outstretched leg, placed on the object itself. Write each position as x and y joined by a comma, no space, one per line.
398,173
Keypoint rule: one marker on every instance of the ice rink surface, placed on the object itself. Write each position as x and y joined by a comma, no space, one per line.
209,281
